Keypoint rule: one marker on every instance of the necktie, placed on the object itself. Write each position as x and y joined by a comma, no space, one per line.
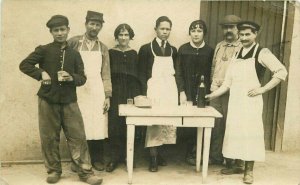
162,47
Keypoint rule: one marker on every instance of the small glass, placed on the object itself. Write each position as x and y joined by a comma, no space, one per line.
129,101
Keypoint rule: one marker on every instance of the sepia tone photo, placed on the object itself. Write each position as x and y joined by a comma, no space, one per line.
143,92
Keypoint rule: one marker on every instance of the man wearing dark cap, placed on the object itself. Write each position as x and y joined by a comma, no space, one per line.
60,71
244,134
224,51
94,96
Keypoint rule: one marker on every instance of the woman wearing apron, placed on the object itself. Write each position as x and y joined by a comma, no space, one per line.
125,85
244,134
93,97
157,75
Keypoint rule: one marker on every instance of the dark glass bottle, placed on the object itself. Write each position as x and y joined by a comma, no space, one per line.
201,92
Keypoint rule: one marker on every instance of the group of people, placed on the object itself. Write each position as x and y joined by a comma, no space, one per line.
109,77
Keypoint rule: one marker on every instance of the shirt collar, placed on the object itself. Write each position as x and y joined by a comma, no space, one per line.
158,40
61,45
194,46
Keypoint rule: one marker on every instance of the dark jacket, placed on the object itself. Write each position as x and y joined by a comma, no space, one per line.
146,59
49,58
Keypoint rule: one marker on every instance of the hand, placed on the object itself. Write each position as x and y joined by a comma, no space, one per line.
182,98
106,105
46,79
66,76
256,91
210,97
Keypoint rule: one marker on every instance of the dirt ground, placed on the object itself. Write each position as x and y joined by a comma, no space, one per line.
279,169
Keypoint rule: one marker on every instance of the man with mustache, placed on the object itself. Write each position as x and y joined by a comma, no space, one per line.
224,51
94,96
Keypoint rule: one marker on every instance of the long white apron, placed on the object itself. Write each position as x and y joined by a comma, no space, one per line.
244,134
91,96
162,91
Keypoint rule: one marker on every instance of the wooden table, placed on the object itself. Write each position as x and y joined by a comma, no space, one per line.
178,116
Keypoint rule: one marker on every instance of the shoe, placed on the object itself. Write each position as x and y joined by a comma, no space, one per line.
99,166
231,171
92,180
161,161
74,167
248,174
111,166
53,178
153,164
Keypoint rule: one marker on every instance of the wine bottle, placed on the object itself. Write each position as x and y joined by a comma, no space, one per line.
201,92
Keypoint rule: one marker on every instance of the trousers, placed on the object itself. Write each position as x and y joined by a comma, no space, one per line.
67,117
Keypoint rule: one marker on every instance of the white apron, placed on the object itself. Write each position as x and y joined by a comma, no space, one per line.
244,134
91,96
162,91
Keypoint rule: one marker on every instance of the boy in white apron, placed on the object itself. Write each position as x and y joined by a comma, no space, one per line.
156,67
94,96
244,134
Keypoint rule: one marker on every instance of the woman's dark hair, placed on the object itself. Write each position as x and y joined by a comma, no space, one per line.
201,25
122,27
162,19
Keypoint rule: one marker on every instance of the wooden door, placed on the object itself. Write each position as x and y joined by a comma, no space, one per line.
268,14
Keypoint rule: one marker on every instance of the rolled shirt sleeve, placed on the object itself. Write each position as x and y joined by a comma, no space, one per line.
268,60
105,71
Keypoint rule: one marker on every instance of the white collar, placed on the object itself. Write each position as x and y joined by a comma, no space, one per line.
246,50
158,40
194,46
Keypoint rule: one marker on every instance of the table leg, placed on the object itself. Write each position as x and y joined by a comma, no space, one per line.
199,147
130,151
207,134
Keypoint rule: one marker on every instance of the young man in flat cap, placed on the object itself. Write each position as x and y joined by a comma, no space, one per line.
94,96
224,51
156,73
244,134
60,71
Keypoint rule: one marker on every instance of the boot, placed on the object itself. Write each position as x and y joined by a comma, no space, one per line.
153,164
161,161
232,168
248,174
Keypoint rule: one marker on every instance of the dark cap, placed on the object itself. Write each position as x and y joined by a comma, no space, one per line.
57,20
248,24
198,24
230,20
94,16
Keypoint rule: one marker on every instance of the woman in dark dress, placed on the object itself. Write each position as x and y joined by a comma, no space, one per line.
125,85
194,60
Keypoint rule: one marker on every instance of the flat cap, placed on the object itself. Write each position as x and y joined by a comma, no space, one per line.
57,20
248,24
94,16
230,20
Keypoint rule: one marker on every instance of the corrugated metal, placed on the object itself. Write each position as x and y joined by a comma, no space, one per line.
269,15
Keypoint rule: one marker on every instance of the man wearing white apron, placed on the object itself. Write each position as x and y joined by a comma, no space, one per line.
156,68
94,96
244,134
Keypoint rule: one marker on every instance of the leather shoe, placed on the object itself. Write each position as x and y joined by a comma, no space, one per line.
153,164
93,180
99,166
53,178
111,166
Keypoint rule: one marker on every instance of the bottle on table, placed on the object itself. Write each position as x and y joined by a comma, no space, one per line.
201,92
